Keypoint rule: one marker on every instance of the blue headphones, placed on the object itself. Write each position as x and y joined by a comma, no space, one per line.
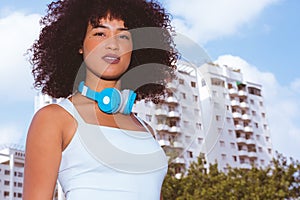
110,100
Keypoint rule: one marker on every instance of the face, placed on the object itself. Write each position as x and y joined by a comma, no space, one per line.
107,49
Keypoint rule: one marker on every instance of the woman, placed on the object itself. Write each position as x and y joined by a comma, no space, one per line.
95,147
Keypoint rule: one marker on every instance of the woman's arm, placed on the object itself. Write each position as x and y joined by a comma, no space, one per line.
43,154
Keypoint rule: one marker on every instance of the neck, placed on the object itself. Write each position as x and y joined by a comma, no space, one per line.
98,84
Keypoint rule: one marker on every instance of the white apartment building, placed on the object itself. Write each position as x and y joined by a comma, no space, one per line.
211,110
11,172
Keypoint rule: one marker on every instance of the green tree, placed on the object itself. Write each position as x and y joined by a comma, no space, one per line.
279,180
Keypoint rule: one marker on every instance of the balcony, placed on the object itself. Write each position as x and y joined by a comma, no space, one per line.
242,93
232,92
162,127
241,140
243,153
245,165
173,114
248,129
174,129
239,127
163,142
160,112
246,117
171,86
244,105
179,161
237,115
250,141
235,103
177,144
171,100
252,154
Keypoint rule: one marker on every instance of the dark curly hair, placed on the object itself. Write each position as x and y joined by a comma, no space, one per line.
55,56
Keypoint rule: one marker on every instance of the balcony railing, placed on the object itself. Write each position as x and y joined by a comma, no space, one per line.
241,140
162,127
174,129
172,100
163,142
242,93
173,114
233,92
237,115
160,112
248,129
246,117
244,105
235,103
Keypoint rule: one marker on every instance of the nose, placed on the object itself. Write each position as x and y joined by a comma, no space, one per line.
112,43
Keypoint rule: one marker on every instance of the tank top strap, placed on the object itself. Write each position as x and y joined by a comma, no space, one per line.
70,108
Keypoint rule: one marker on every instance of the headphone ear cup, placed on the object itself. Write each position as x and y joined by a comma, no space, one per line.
109,100
128,101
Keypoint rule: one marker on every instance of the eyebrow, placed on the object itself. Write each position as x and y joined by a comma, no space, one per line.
106,27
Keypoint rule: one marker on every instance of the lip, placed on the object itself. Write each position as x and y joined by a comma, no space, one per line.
111,58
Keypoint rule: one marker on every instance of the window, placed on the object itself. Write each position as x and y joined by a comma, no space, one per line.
227,107
183,95
6,172
265,126
181,81
200,140
222,143
261,103
252,101
253,112
214,93
193,84
148,118
270,151
232,145
195,97
223,156
230,132
267,138
218,117
220,130
234,158
6,182
187,139
262,162
197,112
6,194
257,137
260,149
199,125
203,82
228,119
263,115
190,154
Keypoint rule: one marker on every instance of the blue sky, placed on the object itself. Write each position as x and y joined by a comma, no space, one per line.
260,36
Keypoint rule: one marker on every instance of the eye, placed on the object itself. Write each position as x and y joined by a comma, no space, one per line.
126,37
101,34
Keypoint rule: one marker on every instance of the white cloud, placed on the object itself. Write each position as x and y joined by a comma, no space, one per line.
17,33
282,104
10,134
205,20
295,85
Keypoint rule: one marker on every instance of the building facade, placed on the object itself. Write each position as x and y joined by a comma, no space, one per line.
11,172
211,110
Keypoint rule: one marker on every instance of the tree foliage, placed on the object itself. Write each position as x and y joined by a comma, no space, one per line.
279,180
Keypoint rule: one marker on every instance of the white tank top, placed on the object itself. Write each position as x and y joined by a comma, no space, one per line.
109,163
